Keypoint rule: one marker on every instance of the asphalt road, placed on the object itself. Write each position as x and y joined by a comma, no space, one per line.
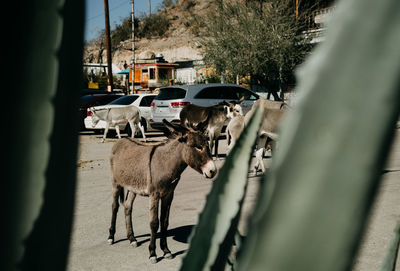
89,247
90,250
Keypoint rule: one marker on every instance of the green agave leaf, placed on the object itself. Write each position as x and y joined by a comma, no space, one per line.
42,149
37,116
214,233
333,145
389,262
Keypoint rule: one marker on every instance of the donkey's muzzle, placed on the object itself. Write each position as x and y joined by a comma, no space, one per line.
209,170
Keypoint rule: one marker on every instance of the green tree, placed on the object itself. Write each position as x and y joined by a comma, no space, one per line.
166,3
262,39
153,26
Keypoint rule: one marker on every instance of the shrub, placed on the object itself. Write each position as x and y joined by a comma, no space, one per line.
153,26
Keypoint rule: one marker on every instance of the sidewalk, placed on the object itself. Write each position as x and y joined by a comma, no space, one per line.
384,216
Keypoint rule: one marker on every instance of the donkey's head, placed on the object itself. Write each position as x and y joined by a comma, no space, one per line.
195,151
233,108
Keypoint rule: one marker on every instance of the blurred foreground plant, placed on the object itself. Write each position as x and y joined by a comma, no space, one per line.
313,205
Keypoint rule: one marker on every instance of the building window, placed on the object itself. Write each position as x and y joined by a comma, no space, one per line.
163,74
152,73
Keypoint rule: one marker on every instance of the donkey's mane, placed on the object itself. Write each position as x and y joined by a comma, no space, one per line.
155,143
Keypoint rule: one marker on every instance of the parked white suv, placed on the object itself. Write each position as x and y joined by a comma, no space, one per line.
142,101
170,101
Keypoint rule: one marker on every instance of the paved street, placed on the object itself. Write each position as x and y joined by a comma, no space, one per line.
89,247
385,214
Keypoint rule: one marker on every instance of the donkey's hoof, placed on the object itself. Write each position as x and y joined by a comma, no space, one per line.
134,244
153,259
168,256
110,241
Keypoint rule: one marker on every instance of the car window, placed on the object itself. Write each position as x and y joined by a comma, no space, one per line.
228,93
87,98
146,101
106,99
171,94
125,100
210,93
240,92
223,93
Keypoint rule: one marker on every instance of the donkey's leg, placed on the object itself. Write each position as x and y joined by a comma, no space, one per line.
217,133
216,146
105,132
117,129
259,158
261,140
154,224
133,128
142,130
128,218
211,136
116,190
228,137
164,218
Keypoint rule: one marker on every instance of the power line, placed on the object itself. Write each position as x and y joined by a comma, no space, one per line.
111,9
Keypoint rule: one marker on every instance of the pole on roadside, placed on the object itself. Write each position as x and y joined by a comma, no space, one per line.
133,46
149,8
108,47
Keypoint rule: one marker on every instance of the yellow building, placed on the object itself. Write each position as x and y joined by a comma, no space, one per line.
152,73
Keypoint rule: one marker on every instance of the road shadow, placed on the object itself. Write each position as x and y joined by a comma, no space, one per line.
179,234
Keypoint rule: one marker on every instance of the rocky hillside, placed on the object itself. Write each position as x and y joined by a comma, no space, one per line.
178,43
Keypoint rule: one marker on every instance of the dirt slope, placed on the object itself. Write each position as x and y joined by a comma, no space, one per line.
178,43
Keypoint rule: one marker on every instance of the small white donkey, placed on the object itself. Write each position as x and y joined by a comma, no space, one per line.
116,116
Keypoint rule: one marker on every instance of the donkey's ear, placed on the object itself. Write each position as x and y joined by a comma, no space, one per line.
170,128
173,130
169,125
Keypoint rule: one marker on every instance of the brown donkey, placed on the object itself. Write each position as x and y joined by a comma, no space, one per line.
154,170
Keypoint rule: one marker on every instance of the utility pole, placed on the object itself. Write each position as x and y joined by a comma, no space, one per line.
149,8
108,47
133,46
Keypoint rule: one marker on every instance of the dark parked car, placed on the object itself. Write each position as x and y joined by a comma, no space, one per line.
90,91
93,100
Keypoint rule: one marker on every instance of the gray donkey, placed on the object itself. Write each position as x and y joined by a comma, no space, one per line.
214,118
117,115
154,170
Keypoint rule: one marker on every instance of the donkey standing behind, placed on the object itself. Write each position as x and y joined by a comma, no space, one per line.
213,117
234,129
273,112
154,170
117,115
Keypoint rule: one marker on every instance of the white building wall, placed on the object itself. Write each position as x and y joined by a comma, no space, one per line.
96,68
186,75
